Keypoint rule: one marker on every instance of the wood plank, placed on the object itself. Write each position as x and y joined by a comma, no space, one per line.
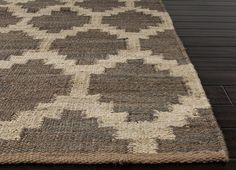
217,78
194,32
169,3
199,1
215,52
209,41
220,64
231,90
205,25
201,8
225,115
202,13
208,19
216,95
230,138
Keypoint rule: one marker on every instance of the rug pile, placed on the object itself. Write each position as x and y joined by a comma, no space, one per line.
99,81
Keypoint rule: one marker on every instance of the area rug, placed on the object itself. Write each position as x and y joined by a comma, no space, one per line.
99,81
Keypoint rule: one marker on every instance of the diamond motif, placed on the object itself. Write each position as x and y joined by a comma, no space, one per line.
138,89
15,43
100,5
196,143
7,18
164,43
150,4
59,20
132,21
82,135
36,5
23,86
87,47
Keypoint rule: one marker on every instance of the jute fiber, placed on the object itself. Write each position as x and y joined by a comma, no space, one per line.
99,81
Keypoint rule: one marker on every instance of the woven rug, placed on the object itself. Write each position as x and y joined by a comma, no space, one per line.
99,81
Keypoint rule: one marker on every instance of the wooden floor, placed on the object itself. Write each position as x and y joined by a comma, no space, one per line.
208,31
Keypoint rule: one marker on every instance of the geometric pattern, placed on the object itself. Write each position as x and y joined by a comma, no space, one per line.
150,4
15,43
181,132
7,18
165,44
93,43
54,22
127,94
39,141
36,5
99,81
15,92
131,21
100,5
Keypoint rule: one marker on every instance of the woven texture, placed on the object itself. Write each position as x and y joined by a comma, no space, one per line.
99,81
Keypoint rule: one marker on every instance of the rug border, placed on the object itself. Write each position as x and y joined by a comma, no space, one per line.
100,158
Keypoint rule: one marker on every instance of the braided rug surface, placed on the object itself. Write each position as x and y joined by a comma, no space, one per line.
99,81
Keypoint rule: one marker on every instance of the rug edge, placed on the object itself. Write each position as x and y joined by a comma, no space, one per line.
98,158
184,52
